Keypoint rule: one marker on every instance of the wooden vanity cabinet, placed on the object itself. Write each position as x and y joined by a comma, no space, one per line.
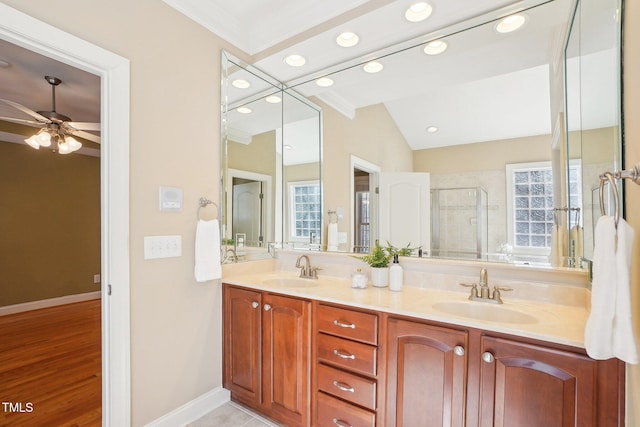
348,379
267,342
441,376
426,375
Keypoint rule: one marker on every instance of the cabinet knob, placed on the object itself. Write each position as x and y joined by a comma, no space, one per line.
344,387
267,307
458,350
343,355
488,357
341,423
255,304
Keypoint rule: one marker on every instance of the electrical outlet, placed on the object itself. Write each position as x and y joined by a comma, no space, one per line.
96,278
162,247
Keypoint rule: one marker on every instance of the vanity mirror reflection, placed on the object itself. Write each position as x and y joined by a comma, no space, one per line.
497,100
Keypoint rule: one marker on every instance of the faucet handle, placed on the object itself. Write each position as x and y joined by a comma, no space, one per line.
496,293
314,272
474,289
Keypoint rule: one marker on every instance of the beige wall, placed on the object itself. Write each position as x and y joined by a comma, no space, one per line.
372,136
632,194
50,226
175,77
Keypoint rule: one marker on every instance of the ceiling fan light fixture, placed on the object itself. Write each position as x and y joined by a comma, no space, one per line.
63,147
347,39
33,142
418,12
44,138
74,144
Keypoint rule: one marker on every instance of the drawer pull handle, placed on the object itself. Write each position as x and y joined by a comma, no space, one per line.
343,324
488,357
458,350
341,423
343,355
255,304
344,387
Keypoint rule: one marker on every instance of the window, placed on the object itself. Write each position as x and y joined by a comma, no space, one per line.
304,207
530,205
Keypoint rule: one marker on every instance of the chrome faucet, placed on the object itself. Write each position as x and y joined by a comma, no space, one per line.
484,294
306,271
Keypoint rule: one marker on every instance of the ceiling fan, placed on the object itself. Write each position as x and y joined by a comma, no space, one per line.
56,127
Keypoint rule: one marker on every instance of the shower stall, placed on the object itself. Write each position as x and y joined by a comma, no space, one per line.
459,222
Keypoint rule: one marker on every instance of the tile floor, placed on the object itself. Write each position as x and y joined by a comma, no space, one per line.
232,414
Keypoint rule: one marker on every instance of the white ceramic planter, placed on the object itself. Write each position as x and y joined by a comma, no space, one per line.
379,276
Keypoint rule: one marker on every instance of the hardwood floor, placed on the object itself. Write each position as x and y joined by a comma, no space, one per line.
50,367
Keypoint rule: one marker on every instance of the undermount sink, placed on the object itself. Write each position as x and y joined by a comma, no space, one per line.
291,282
484,311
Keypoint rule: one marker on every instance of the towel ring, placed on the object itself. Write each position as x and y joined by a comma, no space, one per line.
608,176
203,202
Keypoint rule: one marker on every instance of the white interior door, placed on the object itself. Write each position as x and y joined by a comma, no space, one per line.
248,212
405,215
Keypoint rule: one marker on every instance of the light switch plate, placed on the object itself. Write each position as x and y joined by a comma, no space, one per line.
162,247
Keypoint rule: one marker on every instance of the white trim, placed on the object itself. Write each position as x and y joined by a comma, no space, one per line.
46,303
373,170
21,29
193,410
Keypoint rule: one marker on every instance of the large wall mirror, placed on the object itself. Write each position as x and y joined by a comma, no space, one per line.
481,124
271,163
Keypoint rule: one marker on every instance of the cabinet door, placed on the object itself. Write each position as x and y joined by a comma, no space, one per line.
286,335
525,385
242,329
426,375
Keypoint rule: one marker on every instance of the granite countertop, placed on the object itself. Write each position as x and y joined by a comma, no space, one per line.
562,324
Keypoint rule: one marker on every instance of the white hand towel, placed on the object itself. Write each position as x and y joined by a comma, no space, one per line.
332,237
207,253
609,330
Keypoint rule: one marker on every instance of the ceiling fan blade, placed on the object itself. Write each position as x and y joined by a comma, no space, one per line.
26,110
85,126
22,121
87,135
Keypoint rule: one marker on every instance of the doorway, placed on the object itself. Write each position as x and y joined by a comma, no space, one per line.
30,33
363,204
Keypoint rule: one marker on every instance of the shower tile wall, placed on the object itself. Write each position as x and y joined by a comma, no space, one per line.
465,234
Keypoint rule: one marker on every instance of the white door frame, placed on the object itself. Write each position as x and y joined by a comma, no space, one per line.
373,170
30,33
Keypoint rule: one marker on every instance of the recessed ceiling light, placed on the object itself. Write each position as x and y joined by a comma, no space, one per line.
287,147
295,60
241,83
435,47
324,82
347,39
243,110
418,12
373,67
510,23
273,99
432,129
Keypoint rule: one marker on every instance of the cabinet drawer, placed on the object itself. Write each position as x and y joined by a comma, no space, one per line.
348,354
336,413
349,324
355,389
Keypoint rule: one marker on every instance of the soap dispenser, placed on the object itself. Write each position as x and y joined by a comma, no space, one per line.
395,275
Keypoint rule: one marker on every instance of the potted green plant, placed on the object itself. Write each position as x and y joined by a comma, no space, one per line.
406,251
378,259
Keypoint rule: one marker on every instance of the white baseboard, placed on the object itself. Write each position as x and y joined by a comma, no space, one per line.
192,411
51,302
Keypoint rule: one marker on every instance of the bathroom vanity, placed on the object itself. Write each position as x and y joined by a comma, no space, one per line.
317,352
